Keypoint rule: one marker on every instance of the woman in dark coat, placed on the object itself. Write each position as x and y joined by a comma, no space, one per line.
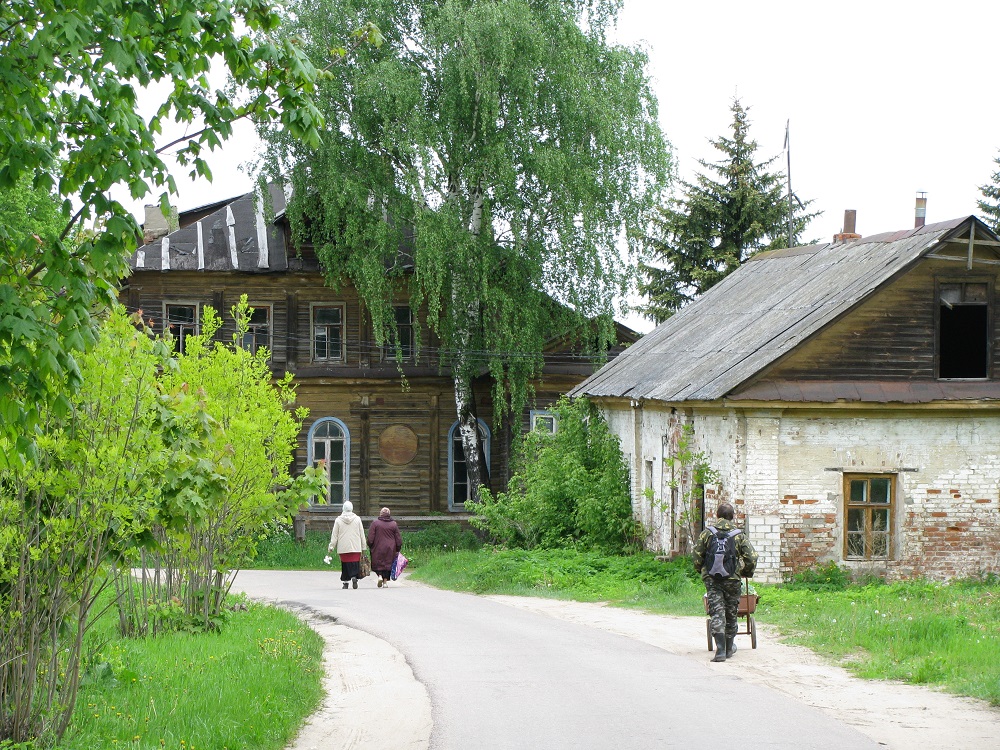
385,542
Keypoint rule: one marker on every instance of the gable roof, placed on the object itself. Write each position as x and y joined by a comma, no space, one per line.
762,311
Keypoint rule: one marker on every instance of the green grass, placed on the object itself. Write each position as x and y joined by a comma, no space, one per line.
280,551
947,636
249,686
637,581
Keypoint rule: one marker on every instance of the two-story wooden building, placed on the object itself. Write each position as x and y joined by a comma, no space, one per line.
848,396
381,419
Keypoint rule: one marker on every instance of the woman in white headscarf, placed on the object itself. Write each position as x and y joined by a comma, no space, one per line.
348,539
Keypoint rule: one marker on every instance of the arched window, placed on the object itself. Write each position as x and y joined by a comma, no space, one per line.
458,475
330,442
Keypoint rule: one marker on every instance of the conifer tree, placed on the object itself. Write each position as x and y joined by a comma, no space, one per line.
718,223
990,207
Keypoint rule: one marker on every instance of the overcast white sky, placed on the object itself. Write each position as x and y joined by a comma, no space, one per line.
885,98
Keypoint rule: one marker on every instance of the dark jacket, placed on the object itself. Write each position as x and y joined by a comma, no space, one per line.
745,553
385,542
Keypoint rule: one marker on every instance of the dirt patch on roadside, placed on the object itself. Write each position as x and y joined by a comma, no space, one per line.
894,714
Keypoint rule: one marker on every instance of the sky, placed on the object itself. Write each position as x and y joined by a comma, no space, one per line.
883,98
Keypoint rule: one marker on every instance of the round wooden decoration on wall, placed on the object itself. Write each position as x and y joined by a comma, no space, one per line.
397,444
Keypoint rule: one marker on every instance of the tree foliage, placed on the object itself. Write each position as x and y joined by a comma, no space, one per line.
570,488
144,465
486,155
71,72
718,223
990,205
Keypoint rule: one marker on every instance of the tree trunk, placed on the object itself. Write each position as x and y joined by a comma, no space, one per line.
468,427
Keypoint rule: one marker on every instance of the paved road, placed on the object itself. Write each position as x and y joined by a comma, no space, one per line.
503,677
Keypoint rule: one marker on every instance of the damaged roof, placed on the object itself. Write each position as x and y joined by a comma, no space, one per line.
235,236
760,312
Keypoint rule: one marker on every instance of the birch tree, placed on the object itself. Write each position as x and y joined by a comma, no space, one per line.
516,141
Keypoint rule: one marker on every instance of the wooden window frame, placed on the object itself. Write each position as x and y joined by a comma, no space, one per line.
341,356
389,350
868,507
181,335
946,281
251,332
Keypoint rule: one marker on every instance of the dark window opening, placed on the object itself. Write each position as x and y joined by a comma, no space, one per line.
964,331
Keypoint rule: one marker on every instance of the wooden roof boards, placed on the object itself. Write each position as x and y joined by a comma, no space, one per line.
760,313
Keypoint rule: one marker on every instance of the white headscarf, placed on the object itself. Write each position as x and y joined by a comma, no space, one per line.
348,507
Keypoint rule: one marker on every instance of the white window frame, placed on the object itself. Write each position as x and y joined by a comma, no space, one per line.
311,460
540,416
313,307
484,432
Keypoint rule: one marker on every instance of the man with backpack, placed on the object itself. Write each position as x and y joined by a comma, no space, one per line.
723,555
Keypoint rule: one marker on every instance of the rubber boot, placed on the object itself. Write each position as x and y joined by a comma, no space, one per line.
720,646
730,646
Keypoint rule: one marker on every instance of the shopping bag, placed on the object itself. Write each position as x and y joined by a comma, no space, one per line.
366,565
397,566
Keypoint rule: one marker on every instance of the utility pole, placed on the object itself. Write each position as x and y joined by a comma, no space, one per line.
788,172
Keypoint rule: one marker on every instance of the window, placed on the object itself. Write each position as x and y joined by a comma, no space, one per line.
328,333
458,474
330,443
869,503
544,421
182,321
258,335
963,330
403,334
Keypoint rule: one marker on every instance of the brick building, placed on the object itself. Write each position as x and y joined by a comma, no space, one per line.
845,396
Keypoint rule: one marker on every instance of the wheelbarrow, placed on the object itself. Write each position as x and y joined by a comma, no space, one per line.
745,609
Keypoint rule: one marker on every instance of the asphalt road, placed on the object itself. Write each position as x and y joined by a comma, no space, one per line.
503,677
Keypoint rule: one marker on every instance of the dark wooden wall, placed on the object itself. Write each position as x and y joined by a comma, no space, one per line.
891,336
365,392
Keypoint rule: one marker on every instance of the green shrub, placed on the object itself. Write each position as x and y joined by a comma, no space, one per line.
570,488
827,577
442,536
280,551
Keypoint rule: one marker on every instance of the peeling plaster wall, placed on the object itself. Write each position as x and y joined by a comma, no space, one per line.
784,470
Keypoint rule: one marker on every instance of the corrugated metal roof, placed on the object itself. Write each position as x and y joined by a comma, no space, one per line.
758,313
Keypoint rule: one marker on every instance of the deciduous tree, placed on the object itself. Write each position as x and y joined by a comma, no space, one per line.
519,145
71,72
718,223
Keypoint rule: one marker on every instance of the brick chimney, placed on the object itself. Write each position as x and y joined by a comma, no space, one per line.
920,210
157,225
848,233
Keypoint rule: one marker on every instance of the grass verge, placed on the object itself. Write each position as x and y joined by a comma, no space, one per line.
249,686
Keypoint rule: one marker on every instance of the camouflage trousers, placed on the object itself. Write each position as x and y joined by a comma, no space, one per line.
723,601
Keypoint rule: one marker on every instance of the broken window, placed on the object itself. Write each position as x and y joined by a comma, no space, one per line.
182,321
868,508
258,335
963,330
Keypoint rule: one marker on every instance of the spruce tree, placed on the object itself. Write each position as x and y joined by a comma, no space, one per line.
990,207
718,223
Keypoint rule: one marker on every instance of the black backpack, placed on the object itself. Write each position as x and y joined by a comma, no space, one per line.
720,553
